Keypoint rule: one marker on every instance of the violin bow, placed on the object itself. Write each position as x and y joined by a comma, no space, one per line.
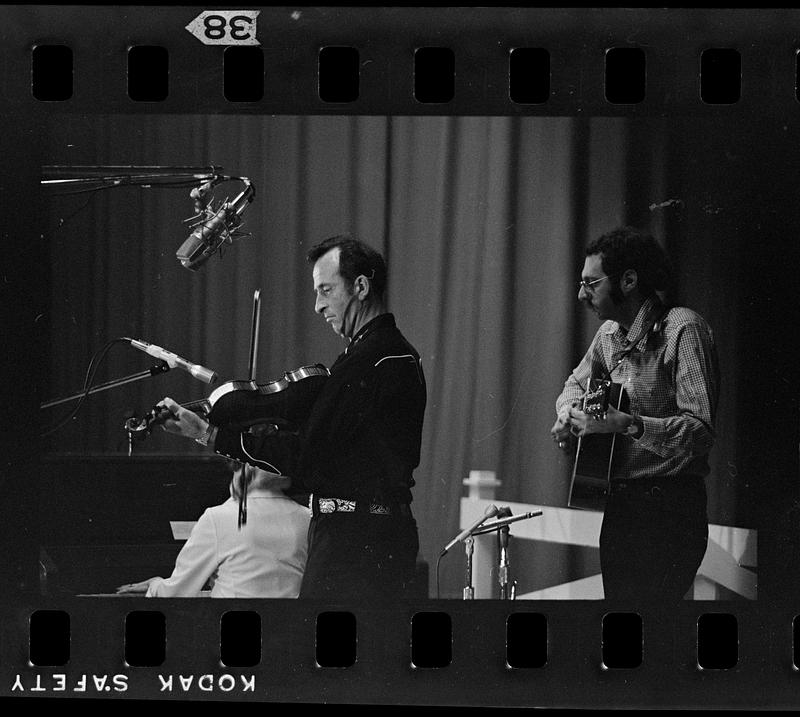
255,329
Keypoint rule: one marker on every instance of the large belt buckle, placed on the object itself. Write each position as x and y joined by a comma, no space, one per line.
336,505
326,505
379,509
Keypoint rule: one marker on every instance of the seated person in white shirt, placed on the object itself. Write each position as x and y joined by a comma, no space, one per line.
263,559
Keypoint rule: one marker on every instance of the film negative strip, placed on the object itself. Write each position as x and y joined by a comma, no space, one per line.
166,164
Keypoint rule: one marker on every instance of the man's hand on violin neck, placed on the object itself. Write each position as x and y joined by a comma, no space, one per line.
181,421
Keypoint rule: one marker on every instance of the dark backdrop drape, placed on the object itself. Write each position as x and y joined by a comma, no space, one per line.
483,223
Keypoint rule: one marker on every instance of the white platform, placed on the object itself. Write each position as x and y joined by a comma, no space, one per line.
730,554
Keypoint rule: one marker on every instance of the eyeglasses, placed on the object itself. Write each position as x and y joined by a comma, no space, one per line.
588,285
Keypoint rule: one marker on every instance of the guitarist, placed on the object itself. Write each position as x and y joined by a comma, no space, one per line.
655,525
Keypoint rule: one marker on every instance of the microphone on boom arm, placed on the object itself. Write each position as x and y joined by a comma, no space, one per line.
213,228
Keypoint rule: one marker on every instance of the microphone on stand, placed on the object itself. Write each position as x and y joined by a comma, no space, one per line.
199,372
495,524
491,512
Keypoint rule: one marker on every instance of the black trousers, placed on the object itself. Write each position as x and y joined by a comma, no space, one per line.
358,557
653,538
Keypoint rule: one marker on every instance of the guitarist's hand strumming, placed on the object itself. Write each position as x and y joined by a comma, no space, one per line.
560,431
583,424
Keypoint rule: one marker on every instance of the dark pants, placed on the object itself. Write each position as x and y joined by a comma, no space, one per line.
357,557
653,538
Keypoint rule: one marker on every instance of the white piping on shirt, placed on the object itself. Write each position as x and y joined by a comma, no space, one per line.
257,460
397,357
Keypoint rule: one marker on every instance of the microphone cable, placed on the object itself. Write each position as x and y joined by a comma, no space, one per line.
88,383
438,562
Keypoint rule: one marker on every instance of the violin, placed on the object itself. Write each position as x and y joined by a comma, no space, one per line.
285,403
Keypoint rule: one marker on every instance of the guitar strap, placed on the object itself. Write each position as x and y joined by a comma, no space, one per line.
657,316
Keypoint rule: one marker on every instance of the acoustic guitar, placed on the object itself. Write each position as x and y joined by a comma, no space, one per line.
595,452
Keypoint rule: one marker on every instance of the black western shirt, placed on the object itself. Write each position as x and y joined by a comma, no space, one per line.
362,438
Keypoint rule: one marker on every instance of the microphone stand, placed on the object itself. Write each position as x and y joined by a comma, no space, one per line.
158,368
503,538
469,591
63,179
507,588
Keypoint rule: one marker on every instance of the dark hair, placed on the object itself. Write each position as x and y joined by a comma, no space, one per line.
628,248
257,479
355,259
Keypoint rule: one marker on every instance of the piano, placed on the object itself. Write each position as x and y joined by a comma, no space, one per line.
107,519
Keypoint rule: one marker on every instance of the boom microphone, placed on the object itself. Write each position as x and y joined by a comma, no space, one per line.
214,228
199,372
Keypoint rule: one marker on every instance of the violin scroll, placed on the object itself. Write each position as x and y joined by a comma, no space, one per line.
141,428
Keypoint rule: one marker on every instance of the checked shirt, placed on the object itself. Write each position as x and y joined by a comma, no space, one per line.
672,381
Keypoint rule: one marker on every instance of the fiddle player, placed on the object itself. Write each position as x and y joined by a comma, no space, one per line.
356,452
655,526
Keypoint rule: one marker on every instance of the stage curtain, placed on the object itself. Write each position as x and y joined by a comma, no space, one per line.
483,221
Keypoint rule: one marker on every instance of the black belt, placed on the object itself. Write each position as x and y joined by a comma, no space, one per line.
344,505
654,486
618,486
